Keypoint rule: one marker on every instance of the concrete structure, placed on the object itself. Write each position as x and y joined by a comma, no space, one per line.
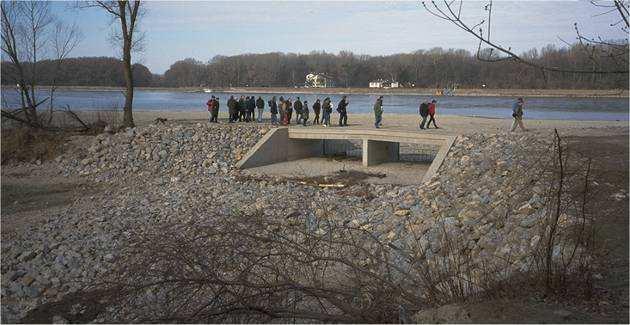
378,146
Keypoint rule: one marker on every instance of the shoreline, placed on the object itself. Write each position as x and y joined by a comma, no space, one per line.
469,92
449,124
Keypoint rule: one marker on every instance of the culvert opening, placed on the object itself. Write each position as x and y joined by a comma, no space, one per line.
404,158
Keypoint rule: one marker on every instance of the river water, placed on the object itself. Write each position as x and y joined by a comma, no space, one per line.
556,108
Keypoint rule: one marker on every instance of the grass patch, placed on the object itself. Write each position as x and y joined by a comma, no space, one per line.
30,145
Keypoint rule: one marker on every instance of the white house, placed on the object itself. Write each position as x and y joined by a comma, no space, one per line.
380,83
377,83
318,80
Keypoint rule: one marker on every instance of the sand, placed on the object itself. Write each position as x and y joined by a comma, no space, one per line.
449,124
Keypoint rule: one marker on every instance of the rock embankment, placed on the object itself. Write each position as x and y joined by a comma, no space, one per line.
182,150
488,198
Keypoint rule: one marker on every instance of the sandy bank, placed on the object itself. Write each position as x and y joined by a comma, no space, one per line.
449,124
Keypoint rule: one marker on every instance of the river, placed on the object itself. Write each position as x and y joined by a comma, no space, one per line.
553,108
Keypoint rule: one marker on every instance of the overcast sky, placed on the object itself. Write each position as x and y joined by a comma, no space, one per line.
181,29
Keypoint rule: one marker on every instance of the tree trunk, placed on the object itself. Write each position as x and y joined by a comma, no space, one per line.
127,111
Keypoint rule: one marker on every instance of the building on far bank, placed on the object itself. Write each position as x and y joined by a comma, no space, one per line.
319,80
380,83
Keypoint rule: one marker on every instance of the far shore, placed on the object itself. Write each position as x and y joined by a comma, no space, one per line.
581,93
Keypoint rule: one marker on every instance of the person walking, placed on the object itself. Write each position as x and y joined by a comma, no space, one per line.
232,109
517,114
289,110
260,105
215,111
298,110
378,112
342,109
283,111
432,114
241,108
317,106
273,109
210,105
251,108
304,115
327,108
424,112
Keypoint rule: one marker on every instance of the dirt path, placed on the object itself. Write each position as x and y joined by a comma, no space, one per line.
31,193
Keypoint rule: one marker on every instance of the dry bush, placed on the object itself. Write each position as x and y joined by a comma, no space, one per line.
569,243
23,144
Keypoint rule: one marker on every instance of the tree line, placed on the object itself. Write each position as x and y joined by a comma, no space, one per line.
432,68
83,71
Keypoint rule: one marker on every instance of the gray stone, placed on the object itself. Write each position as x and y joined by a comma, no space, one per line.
529,221
59,320
563,313
27,256
32,292
449,314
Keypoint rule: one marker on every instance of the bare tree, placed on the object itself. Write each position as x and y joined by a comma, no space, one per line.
64,40
598,49
127,13
24,27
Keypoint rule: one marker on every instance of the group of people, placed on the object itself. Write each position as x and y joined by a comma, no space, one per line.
426,109
243,109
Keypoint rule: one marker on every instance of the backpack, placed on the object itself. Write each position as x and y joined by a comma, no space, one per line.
424,109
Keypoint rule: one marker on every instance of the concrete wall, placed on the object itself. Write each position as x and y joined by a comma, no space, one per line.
304,148
272,148
338,147
376,152
276,146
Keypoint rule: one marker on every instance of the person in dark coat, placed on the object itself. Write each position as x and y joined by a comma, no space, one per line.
424,112
273,109
317,106
342,109
242,108
304,115
251,108
327,108
260,105
298,110
378,112
215,111
232,109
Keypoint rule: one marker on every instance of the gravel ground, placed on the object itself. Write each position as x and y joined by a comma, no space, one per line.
488,196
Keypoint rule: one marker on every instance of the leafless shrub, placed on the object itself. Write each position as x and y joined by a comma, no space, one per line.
568,242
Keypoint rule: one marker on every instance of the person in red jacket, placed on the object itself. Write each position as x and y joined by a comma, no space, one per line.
432,114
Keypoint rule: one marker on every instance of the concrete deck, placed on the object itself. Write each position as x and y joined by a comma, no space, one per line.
378,146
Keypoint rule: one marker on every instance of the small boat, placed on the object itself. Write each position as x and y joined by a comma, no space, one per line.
207,90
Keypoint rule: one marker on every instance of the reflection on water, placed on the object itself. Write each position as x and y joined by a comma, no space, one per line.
493,107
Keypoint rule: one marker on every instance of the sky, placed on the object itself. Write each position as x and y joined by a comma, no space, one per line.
175,30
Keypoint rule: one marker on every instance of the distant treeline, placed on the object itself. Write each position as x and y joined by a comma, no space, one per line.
424,68
84,71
